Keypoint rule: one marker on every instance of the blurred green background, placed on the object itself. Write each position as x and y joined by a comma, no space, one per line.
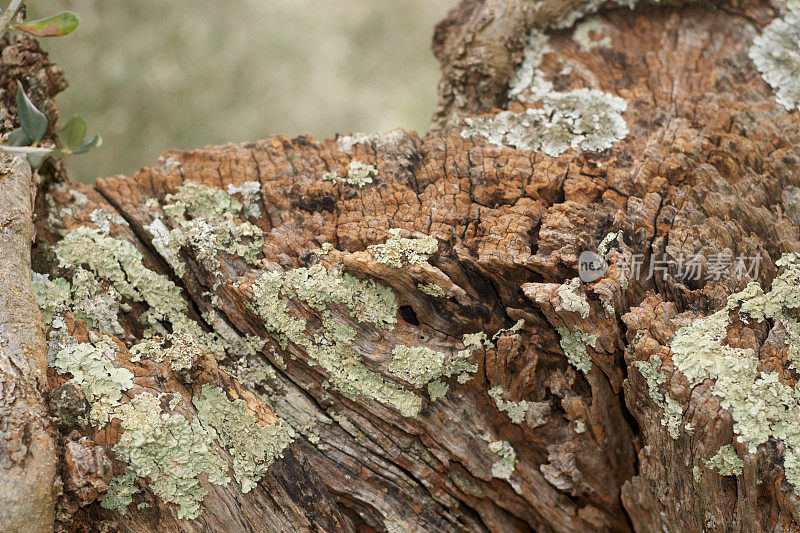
152,75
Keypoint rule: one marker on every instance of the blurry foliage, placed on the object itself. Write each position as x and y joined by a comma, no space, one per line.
155,75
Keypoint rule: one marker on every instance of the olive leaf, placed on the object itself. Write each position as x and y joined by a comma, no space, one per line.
18,137
73,133
31,119
88,144
55,26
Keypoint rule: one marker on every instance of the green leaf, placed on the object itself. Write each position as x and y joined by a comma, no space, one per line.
36,160
55,26
31,119
73,132
88,144
18,137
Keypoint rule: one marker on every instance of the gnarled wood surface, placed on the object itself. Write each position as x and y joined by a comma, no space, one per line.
704,169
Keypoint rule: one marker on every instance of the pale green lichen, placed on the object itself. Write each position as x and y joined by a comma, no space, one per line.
574,345
103,219
120,492
170,451
253,447
761,406
121,264
420,365
359,174
504,467
97,305
93,370
572,301
583,118
776,54
331,346
431,289
437,389
249,191
399,250
180,348
673,414
516,410
580,427
725,461
199,201
697,474
205,220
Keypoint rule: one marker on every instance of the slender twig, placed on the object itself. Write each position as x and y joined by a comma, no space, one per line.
25,149
8,15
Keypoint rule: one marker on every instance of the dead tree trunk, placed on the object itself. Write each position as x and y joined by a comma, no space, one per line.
390,333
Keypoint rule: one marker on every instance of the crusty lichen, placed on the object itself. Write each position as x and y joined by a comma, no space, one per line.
121,264
582,35
431,289
725,461
574,344
103,219
572,301
420,365
94,303
93,370
583,118
331,346
673,414
253,447
170,451
776,54
516,410
359,174
761,406
249,191
504,467
399,250
204,219
180,348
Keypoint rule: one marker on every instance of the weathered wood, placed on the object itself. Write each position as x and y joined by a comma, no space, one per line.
569,406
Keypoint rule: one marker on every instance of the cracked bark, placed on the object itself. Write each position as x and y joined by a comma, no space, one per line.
703,170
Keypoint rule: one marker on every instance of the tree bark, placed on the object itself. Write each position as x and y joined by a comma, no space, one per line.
456,374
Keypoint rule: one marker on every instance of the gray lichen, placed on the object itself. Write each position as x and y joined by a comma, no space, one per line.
572,301
574,345
180,348
516,410
504,467
582,35
673,414
331,346
170,451
725,461
121,264
776,54
761,406
94,303
431,289
420,365
359,174
583,118
253,447
249,191
93,370
399,250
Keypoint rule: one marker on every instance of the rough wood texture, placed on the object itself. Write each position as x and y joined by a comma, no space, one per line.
711,164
